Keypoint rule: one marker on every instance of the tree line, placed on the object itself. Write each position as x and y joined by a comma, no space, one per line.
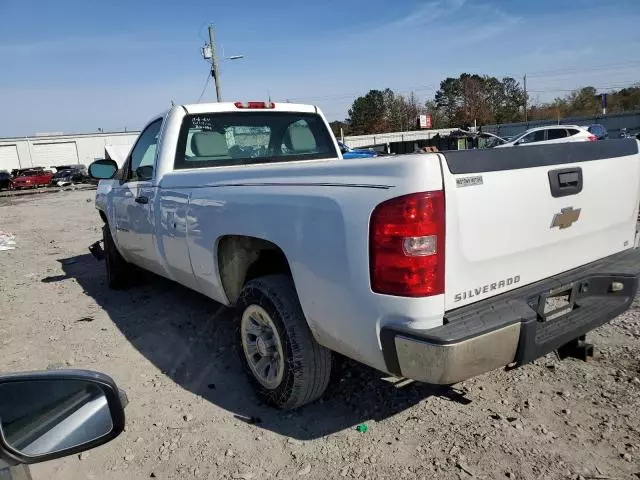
473,98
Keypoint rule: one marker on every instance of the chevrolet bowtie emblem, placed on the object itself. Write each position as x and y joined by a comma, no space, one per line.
565,218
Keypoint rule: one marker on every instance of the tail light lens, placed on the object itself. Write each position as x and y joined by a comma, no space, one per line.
592,138
406,245
255,105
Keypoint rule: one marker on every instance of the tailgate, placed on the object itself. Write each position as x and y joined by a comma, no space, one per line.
519,215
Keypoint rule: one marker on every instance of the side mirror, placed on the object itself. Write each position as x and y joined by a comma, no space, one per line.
144,172
344,149
52,414
103,169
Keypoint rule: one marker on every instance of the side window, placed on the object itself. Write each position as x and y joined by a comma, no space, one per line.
556,133
537,136
573,131
144,153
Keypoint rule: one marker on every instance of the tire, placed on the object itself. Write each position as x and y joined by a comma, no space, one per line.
306,368
118,270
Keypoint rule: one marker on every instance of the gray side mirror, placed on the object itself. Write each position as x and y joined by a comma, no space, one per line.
103,169
52,414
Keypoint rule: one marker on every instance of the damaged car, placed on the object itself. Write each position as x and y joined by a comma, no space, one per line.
69,174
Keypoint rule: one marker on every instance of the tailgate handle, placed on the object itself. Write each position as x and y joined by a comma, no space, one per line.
565,181
570,179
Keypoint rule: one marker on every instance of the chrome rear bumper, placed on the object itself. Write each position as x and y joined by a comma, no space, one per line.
512,327
448,364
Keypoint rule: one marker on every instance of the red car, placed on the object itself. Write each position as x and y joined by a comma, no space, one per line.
32,179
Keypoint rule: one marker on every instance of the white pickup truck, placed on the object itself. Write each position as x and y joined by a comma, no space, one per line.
435,267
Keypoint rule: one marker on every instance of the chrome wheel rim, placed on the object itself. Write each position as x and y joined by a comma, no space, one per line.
262,346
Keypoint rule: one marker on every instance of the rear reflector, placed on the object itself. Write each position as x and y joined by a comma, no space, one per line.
406,245
255,105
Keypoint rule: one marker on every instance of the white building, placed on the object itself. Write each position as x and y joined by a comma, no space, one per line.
56,149
48,150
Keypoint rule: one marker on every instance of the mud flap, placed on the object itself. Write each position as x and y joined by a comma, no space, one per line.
96,250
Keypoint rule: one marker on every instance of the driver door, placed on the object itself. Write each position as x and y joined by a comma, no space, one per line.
134,203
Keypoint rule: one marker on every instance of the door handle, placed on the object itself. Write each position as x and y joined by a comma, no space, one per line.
142,200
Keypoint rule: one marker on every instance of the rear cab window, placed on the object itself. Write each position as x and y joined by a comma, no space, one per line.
223,139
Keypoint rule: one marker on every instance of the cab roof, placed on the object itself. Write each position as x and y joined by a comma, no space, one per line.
231,107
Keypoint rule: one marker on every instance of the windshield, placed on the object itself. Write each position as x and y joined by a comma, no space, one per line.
219,139
493,142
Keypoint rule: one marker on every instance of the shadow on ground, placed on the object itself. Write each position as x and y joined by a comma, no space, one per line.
191,339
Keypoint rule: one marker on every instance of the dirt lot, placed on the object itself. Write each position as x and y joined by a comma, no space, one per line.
193,415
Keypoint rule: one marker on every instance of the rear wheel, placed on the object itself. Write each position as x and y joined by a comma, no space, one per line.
285,364
118,269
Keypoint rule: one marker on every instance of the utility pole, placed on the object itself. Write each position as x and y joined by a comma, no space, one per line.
525,97
214,65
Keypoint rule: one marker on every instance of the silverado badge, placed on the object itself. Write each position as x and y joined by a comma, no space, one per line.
565,218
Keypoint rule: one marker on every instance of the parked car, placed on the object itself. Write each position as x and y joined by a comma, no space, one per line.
320,256
53,414
625,133
5,181
348,152
551,134
18,172
69,174
32,179
598,130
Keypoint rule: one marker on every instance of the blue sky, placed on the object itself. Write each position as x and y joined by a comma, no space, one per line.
78,65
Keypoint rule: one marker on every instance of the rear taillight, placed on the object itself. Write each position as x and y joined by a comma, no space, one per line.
255,105
406,246
592,138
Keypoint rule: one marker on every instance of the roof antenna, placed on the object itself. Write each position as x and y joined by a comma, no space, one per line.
173,103
269,94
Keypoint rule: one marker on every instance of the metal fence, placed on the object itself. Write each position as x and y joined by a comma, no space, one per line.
613,123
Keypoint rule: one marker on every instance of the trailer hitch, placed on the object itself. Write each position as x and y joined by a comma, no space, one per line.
577,348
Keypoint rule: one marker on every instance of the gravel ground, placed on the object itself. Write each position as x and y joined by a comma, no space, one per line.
192,414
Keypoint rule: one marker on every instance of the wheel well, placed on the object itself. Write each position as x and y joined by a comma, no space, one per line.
242,258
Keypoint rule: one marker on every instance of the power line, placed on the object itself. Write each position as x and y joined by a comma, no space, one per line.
538,74
602,87
339,96
559,72
206,83
204,24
